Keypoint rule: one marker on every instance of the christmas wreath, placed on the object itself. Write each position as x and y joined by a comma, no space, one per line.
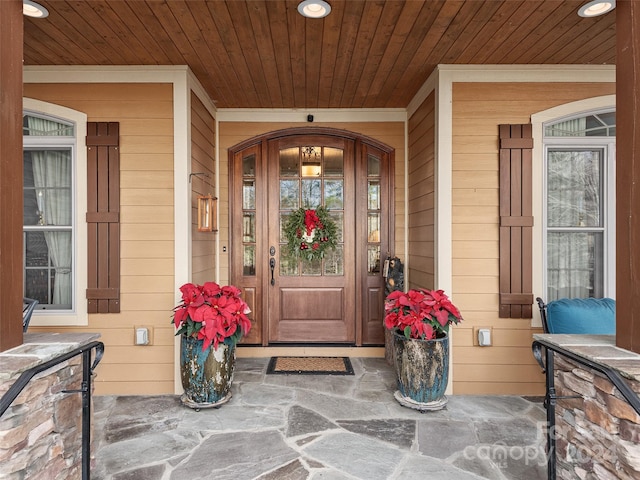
310,233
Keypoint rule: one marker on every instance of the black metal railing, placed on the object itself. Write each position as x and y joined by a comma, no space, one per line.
545,349
85,390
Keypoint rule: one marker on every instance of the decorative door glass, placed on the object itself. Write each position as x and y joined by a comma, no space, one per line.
249,214
311,177
373,215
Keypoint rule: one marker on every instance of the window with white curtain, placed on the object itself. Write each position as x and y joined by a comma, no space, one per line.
580,206
48,226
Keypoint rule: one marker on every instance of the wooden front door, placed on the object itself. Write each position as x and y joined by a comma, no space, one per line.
337,299
311,300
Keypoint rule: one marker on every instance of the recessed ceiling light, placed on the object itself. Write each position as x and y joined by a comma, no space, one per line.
33,9
596,8
314,8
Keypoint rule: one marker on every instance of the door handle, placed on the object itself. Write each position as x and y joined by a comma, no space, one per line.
272,265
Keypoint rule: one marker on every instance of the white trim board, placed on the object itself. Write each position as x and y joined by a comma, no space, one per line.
79,316
274,115
537,121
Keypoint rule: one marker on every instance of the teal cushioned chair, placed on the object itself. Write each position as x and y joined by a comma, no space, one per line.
595,316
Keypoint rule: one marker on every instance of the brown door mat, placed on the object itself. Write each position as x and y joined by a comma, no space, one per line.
310,365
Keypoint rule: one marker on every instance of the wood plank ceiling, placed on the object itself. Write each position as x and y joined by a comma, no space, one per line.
365,54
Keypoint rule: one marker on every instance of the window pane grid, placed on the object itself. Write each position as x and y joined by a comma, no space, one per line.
574,188
249,215
312,176
374,214
578,188
47,257
48,227
595,125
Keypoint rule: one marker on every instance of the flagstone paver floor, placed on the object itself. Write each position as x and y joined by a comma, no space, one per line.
313,427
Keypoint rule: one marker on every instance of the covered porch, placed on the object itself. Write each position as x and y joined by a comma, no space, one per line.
197,108
314,427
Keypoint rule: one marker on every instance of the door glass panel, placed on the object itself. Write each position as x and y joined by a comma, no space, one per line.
289,160
373,227
334,194
333,162
373,166
288,264
249,166
338,218
249,194
249,215
334,262
289,194
311,193
373,259
311,161
310,188
311,267
284,218
373,195
249,227
249,260
373,215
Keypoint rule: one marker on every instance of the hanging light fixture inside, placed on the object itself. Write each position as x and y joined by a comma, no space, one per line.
33,9
311,166
596,8
314,8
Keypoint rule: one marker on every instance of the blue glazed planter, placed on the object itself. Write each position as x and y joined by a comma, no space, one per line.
206,375
422,368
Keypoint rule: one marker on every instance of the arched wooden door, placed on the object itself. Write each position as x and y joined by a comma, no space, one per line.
338,299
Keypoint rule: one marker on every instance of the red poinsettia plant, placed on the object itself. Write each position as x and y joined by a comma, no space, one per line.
420,313
212,313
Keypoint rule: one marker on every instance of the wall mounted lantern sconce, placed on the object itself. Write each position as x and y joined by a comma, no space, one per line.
207,213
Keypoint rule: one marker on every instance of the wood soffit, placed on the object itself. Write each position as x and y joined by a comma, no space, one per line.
365,54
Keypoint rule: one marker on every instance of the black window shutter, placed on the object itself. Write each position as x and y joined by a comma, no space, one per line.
103,217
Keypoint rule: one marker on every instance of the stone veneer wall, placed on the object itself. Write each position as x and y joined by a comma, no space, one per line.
41,432
597,432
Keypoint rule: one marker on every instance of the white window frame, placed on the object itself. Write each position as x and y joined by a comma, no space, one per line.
608,147
538,121
78,314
